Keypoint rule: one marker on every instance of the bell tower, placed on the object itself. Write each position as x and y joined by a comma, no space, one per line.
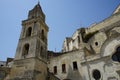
30,61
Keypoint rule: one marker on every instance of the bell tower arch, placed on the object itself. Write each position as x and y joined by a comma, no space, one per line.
30,60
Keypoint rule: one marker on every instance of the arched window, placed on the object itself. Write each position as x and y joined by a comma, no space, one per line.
29,31
116,55
96,74
42,34
25,50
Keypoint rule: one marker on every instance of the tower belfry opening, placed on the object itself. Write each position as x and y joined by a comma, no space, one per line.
29,31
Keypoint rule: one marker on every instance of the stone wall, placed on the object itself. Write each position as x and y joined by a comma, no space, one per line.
67,59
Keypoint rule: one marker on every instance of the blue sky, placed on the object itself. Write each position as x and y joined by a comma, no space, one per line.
62,16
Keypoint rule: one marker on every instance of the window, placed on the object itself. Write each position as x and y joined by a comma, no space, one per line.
116,55
96,43
1,65
75,67
25,49
63,68
29,31
42,35
55,69
96,74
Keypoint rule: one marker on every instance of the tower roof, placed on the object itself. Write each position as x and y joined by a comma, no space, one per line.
36,12
38,7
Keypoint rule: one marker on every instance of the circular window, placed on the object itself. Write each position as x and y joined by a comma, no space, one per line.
96,74
96,43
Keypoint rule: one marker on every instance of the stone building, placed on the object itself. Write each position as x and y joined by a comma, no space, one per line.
5,67
91,53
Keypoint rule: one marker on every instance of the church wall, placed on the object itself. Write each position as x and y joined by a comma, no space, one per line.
40,69
102,64
70,46
75,34
117,29
105,23
109,47
112,68
97,40
85,73
22,69
75,44
65,46
68,60
96,65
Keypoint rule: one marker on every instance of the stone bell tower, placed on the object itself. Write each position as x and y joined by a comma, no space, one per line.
30,61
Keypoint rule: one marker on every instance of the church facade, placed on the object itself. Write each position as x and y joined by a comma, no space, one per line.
91,53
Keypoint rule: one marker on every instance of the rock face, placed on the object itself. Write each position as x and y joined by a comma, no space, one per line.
91,53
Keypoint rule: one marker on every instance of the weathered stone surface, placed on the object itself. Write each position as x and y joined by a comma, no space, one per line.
91,53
